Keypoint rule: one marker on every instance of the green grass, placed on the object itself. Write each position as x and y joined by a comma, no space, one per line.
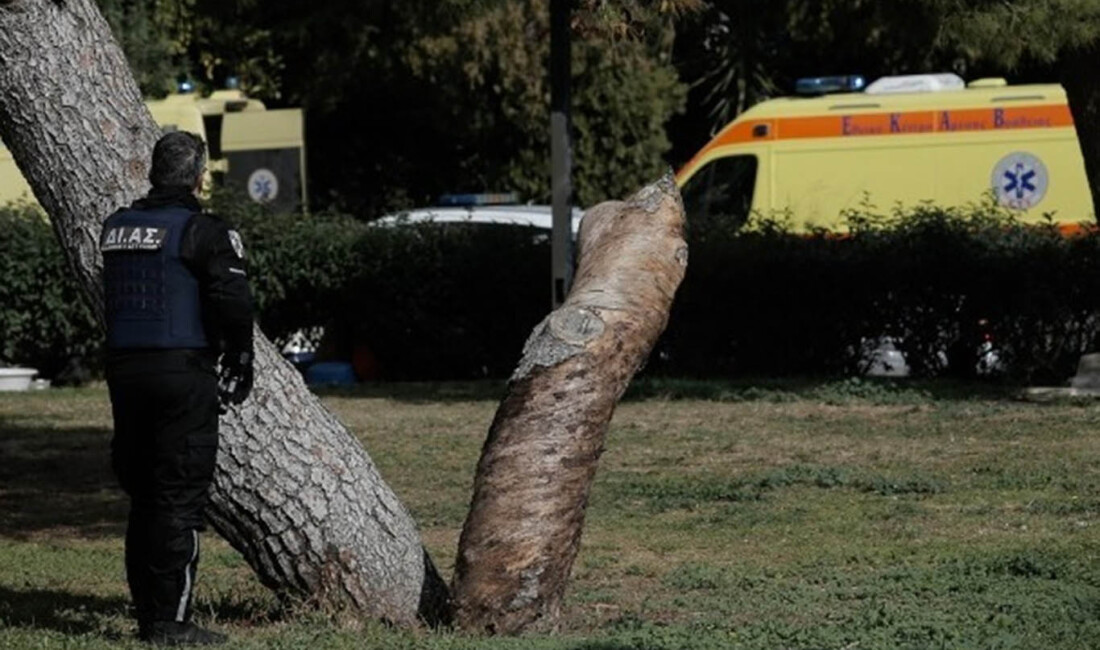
785,514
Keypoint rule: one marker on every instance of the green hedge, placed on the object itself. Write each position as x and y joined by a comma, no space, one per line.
44,321
429,302
458,302
940,282
449,302
300,268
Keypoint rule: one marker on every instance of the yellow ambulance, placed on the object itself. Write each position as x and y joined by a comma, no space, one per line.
259,151
902,140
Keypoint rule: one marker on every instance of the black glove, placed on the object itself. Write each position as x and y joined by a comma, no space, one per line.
235,378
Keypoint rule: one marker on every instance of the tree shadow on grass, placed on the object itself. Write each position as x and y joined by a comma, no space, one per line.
248,611
420,392
60,611
57,477
742,389
874,390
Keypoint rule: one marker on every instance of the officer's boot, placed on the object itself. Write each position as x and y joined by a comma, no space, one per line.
171,634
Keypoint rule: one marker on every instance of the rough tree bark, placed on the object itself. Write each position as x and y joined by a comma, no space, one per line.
294,491
524,527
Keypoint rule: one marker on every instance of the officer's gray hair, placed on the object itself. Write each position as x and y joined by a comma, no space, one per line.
178,160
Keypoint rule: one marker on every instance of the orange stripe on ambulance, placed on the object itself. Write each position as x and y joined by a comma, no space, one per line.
817,157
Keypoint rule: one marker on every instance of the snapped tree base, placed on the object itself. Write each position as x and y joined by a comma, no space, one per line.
536,469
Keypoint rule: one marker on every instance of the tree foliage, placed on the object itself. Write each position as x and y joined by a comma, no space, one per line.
1009,34
409,100
623,93
166,41
144,30
736,53
466,108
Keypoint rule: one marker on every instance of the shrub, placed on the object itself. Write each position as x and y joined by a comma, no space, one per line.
299,266
443,302
944,283
428,301
765,301
438,302
44,321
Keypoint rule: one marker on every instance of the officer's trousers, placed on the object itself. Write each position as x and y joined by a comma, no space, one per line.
166,439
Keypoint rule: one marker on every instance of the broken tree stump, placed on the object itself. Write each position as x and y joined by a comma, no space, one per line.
523,530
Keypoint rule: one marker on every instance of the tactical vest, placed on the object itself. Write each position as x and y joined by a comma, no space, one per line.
152,299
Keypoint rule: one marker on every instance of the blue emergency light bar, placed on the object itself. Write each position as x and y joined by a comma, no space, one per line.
826,85
464,200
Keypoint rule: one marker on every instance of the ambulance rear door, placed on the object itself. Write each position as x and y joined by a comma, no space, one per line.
265,156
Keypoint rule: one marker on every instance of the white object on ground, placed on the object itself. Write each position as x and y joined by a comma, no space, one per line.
12,379
885,360
1088,372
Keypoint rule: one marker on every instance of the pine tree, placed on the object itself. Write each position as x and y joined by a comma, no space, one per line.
141,28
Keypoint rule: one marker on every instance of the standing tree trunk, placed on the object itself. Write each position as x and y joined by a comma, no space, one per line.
524,527
294,491
1078,73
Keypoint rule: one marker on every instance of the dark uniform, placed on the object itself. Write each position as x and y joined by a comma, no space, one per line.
176,296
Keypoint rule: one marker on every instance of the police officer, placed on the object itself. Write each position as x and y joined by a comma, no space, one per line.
177,299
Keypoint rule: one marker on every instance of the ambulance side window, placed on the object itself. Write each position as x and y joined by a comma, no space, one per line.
721,192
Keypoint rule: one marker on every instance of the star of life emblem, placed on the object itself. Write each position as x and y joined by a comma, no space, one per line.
1020,180
263,185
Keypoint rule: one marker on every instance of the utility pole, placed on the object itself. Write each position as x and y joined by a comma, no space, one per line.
561,151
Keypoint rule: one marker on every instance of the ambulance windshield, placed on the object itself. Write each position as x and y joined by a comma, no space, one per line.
721,192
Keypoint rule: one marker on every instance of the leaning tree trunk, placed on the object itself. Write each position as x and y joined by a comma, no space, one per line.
294,492
1079,78
524,527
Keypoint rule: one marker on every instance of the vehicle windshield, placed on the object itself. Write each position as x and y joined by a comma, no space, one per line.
721,192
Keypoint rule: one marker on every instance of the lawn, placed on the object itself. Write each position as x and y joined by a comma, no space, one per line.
770,515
